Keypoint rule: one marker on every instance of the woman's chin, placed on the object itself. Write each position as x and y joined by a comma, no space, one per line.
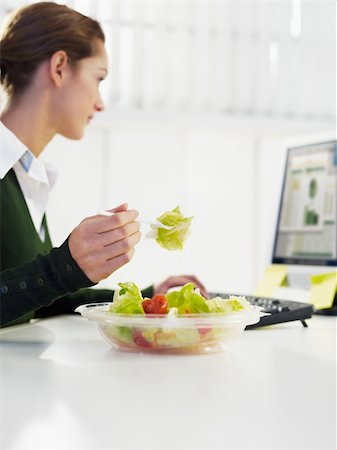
74,135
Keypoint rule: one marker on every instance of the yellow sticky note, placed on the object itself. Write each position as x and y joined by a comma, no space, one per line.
274,277
322,290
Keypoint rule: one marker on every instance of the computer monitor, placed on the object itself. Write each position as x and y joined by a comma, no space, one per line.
306,231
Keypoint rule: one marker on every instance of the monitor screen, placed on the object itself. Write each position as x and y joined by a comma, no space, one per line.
306,226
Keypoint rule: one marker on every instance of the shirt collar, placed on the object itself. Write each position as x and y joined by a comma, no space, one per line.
11,150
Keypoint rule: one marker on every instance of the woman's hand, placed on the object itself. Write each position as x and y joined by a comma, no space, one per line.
102,244
179,280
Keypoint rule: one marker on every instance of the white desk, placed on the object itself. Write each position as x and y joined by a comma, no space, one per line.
63,387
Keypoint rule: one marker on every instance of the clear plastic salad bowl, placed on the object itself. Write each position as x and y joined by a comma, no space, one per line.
169,333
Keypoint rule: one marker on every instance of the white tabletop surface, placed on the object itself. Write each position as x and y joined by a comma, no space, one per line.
64,387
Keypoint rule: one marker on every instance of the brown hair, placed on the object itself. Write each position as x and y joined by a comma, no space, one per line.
34,32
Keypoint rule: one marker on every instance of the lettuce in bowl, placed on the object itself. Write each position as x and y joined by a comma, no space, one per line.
187,300
127,300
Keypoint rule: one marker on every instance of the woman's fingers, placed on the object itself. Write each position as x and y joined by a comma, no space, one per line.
101,224
116,263
120,247
122,207
117,234
102,243
104,263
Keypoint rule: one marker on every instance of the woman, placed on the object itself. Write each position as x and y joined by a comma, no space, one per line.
52,62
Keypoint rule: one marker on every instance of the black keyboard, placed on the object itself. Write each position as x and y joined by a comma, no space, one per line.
279,310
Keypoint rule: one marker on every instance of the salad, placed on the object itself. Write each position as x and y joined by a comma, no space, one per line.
175,237
179,319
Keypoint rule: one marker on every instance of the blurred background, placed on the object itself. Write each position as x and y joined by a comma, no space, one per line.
202,100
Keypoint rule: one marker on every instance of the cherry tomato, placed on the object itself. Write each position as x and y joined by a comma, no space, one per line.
203,331
156,305
139,339
147,306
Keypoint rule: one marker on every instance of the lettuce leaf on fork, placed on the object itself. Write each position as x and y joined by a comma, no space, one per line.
174,238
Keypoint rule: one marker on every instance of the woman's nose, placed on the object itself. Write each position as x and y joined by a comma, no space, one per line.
99,106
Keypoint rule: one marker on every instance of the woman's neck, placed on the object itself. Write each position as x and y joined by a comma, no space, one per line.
28,120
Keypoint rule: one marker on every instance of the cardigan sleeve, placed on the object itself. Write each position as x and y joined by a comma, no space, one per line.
39,283
50,284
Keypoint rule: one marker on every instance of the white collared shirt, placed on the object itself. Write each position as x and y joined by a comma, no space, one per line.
35,177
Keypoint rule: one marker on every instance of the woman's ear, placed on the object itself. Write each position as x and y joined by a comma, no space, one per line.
58,67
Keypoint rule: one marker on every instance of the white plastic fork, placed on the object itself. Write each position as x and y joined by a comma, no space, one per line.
153,223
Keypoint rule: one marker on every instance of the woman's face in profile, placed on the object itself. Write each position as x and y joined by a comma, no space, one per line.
80,97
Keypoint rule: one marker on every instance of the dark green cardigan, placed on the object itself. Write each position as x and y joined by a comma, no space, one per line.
36,279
